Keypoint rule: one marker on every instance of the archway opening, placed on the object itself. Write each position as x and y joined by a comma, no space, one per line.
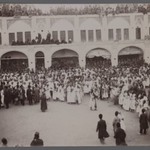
65,58
98,58
39,60
14,61
130,56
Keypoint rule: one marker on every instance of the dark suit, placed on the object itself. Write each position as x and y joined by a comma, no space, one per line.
120,136
37,142
143,123
101,129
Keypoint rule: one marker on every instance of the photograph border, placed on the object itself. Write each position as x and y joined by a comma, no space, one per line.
76,2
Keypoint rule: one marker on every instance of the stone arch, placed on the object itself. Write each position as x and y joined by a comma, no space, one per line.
65,57
14,61
19,26
130,55
62,25
39,60
118,23
98,57
90,24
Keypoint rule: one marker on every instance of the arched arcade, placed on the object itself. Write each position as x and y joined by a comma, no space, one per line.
65,58
130,55
98,57
14,61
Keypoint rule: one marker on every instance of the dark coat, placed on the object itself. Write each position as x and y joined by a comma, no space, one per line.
143,121
120,136
43,103
101,129
37,142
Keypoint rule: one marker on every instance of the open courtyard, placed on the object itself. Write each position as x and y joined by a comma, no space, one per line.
66,124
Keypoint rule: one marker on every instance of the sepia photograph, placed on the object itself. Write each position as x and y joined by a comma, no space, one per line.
74,74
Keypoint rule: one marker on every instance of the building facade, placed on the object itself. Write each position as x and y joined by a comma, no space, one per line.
91,35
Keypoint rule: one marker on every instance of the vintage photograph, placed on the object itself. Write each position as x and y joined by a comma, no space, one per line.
74,75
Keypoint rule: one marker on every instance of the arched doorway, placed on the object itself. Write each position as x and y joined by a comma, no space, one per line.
130,56
98,57
65,58
39,60
14,61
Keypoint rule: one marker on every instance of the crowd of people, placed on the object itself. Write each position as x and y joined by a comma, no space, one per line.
9,10
40,40
127,86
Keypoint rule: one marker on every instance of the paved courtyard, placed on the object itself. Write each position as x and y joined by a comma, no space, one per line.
66,125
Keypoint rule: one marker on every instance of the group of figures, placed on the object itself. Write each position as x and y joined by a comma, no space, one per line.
128,87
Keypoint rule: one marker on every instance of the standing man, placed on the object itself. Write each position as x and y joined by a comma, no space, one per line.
37,141
101,129
29,95
120,136
143,122
115,121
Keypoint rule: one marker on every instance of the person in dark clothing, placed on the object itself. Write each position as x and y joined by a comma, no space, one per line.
6,97
37,141
120,136
43,102
101,129
4,142
29,95
143,122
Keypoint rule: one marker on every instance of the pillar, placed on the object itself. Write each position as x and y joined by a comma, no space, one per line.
5,38
132,27
82,59
33,24
146,52
76,32
104,29
48,60
31,61
114,55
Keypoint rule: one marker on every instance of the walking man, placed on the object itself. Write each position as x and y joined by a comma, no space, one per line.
120,136
101,129
143,122
37,141
115,121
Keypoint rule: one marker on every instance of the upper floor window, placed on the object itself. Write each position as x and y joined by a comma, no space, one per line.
90,35
55,35
62,36
126,34
19,36
98,35
110,34
83,35
28,36
11,38
118,34
70,35
138,33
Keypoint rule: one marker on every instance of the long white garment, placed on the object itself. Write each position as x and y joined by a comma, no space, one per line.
2,97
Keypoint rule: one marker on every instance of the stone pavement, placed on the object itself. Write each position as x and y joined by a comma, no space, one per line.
66,124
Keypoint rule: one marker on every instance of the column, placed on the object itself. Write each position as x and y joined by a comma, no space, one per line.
104,29
4,34
145,26
132,27
31,61
76,31
94,35
33,31
82,59
114,55
48,60
146,52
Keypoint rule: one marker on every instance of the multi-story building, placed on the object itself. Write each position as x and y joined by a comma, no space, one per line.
109,36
